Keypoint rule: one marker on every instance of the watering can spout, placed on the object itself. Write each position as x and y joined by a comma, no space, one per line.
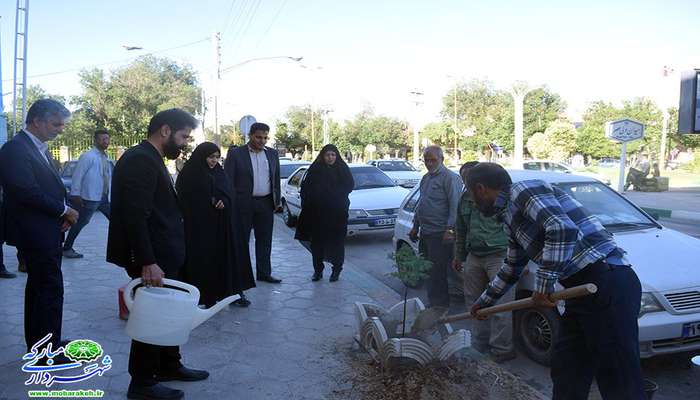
203,315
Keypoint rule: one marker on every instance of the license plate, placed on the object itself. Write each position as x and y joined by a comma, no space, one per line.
384,222
691,330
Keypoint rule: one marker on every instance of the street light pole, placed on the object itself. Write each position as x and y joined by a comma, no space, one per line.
416,138
664,126
217,84
519,91
454,127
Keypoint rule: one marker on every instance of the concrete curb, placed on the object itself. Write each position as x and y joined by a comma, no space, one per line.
680,214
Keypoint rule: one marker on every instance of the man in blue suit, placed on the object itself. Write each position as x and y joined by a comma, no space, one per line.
36,216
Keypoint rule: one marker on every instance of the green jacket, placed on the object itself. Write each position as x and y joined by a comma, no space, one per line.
475,233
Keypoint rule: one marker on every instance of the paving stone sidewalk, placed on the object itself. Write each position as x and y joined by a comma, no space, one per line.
286,345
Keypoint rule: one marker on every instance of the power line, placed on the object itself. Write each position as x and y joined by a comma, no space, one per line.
233,21
248,23
115,61
272,22
236,22
228,16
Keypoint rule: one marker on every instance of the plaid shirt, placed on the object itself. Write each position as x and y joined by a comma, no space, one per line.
549,227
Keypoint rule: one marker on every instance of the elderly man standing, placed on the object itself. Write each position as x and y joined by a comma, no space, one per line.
434,222
36,217
480,249
90,186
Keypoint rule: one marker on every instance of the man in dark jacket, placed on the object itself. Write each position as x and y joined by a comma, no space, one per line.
254,170
36,215
4,273
146,237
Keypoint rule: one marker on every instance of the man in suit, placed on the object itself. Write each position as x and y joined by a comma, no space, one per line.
36,216
147,238
4,273
254,171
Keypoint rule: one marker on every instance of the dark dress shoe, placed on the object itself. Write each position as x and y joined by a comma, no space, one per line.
242,302
335,275
182,374
317,276
5,274
270,279
154,392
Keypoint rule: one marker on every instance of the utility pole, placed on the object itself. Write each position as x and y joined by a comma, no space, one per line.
326,132
20,63
3,123
313,133
217,84
664,126
454,127
416,138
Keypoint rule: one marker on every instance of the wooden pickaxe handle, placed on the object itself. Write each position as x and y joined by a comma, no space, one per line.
570,293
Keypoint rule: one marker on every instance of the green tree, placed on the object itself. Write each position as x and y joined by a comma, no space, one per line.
537,145
561,136
389,135
125,101
230,135
591,140
488,113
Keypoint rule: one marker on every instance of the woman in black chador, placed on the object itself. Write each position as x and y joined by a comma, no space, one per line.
324,210
217,259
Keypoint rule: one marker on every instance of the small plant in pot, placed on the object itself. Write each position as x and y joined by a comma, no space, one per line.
411,269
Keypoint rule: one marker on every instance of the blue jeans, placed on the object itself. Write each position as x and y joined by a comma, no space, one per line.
85,215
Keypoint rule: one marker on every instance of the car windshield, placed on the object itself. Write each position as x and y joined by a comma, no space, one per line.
287,169
68,169
395,166
370,177
613,211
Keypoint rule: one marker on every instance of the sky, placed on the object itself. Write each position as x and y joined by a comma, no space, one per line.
368,53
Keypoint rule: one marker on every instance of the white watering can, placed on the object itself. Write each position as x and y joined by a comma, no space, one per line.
164,316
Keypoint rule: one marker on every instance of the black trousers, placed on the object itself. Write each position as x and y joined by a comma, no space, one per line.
599,337
43,296
147,360
328,249
20,260
260,220
440,253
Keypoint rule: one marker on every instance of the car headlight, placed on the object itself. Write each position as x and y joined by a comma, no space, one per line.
649,304
357,214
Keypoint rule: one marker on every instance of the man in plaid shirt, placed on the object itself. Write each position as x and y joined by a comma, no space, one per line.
599,336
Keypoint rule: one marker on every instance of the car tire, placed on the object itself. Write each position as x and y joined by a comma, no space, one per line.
535,330
289,219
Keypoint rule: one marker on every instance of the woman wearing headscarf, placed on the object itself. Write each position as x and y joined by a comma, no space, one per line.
217,260
324,210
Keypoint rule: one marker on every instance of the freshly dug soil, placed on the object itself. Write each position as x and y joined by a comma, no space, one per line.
460,379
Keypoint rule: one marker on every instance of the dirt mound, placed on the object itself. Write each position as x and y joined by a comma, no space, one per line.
463,379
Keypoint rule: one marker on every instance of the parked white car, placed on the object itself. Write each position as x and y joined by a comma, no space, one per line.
554,166
287,167
665,260
374,202
400,171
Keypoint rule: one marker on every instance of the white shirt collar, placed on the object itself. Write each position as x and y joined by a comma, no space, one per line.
250,149
41,146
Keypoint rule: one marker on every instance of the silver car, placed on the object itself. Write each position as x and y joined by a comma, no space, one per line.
665,260
374,201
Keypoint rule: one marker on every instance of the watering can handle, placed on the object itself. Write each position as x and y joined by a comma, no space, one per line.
570,293
129,289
